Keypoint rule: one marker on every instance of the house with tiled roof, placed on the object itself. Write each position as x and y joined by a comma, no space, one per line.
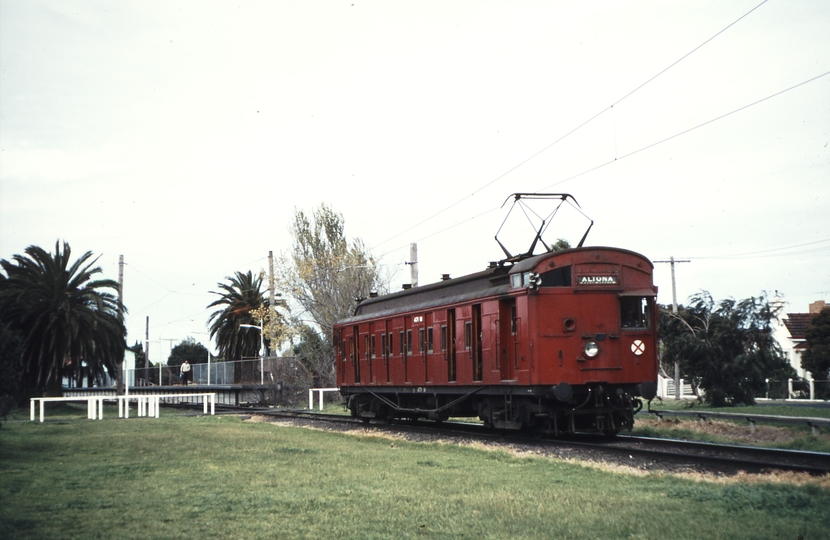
797,324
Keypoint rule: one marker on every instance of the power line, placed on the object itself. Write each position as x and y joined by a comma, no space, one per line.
574,130
592,169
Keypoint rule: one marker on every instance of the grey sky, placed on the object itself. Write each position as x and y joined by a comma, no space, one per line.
183,135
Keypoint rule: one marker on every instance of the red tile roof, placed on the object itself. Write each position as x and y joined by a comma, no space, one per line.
797,323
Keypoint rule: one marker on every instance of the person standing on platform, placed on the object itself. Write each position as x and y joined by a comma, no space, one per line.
186,373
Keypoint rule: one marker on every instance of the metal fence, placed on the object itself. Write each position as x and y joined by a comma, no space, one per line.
252,371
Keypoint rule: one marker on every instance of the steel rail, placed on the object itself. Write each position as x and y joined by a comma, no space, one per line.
717,456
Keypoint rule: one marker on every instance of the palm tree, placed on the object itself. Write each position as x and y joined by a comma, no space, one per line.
68,323
241,295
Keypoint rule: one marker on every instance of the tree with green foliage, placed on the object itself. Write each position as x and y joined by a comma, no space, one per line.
327,275
314,353
69,323
10,395
241,295
140,357
190,350
816,357
727,348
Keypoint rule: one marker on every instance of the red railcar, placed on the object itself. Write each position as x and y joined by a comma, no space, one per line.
560,342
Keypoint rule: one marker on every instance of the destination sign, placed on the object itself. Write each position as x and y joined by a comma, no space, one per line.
598,280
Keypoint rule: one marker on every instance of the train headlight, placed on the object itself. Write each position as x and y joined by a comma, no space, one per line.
591,349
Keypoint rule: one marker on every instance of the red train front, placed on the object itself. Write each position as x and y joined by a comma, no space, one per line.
560,342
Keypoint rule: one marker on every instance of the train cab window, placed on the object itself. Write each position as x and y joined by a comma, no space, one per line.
468,334
516,281
429,339
559,277
635,312
409,342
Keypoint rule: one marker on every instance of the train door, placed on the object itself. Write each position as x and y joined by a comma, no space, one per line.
427,347
475,343
449,345
406,346
354,355
386,345
599,319
507,338
370,352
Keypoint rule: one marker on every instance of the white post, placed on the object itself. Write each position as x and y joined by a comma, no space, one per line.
789,388
156,405
41,411
212,404
32,409
812,390
261,352
310,401
321,400
679,390
204,404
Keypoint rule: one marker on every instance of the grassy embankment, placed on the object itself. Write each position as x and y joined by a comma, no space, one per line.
219,477
776,435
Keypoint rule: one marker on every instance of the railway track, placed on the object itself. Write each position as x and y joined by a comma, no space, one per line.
641,452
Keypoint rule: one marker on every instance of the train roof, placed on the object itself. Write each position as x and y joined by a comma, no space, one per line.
494,281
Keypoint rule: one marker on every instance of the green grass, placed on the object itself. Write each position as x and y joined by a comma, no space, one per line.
778,409
219,477
798,437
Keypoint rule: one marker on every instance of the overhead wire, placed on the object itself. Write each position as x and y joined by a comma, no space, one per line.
572,131
647,147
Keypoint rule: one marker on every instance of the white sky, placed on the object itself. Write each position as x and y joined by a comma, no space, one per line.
184,134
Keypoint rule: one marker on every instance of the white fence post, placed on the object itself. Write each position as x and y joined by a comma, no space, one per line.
789,388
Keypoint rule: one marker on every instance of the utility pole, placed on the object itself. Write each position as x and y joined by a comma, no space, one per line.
671,261
413,262
119,384
272,296
271,278
147,346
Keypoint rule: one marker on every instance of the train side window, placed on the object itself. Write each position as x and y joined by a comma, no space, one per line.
421,341
383,349
391,350
468,334
409,342
402,343
443,337
372,347
429,339
513,323
366,346
635,312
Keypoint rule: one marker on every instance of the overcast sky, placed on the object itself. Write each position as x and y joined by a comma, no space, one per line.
184,134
